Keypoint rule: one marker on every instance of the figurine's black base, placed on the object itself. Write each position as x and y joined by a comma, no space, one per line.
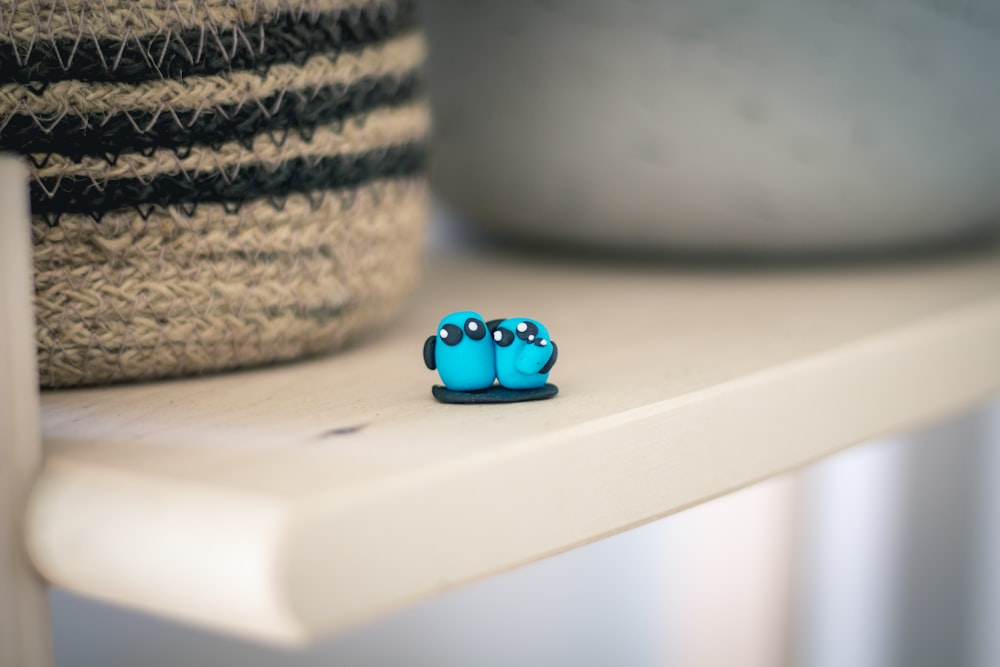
494,394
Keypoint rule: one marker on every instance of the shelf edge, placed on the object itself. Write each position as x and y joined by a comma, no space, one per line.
297,570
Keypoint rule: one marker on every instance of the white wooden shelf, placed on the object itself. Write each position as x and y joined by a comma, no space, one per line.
289,502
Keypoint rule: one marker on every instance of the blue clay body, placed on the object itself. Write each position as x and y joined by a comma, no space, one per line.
524,353
462,352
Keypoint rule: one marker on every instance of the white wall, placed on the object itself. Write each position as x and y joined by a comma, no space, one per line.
851,541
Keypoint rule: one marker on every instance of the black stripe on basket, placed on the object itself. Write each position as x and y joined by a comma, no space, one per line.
300,111
285,38
302,175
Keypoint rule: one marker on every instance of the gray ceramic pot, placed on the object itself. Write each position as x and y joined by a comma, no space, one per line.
720,124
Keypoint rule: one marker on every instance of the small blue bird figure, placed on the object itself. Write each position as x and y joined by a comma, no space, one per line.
462,352
524,352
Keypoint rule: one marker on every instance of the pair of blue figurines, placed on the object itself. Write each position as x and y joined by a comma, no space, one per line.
469,353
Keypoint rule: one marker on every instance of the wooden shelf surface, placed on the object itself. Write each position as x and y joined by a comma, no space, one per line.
290,502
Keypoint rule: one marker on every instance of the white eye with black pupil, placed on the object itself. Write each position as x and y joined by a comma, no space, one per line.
474,329
450,334
503,337
527,331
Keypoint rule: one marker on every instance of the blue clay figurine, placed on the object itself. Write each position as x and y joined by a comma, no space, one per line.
462,352
524,353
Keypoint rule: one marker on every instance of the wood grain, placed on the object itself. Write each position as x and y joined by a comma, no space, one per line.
289,502
25,636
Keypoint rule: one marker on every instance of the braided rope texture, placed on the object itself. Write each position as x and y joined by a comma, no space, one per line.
214,183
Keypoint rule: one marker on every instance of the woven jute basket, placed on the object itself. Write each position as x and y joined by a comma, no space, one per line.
215,183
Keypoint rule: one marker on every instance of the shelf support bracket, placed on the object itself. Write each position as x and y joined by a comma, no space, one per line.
25,623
